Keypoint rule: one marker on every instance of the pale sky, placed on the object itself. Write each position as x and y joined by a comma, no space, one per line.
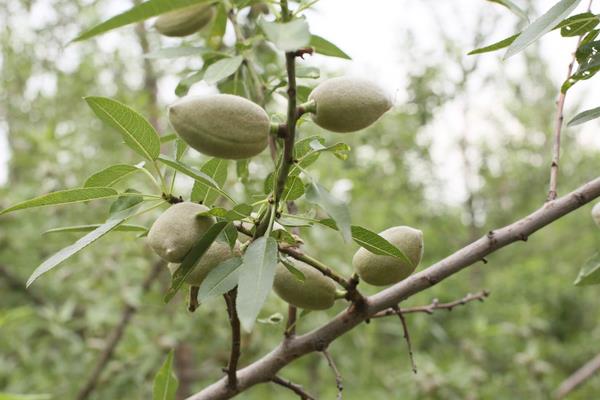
373,36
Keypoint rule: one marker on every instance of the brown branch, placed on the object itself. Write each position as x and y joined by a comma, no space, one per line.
264,369
578,377
399,313
234,321
117,334
435,305
338,377
558,123
193,303
293,387
290,327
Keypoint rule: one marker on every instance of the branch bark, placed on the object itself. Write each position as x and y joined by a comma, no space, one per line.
578,377
236,338
435,305
264,369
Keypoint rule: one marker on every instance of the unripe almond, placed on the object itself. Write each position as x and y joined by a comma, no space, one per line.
184,21
175,231
316,292
221,125
596,213
215,255
348,104
382,270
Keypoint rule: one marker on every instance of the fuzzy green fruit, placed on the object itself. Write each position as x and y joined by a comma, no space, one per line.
596,213
175,232
381,270
215,255
348,104
317,292
184,21
221,125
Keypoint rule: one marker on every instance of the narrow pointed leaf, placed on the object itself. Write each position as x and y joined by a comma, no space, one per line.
541,26
109,176
584,116
494,46
91,227
325,47
287,36
578,25
138,13
64,197
216,168
515,9
165,382
221,279
376,244
222,69
337,209
590,272
256,279
136,131
189,262
79,245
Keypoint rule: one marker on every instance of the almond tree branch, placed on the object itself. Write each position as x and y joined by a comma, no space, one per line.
290,326
264,369
578,377
338,377
230,299
293,387
116,335
558,123
399,313
435,305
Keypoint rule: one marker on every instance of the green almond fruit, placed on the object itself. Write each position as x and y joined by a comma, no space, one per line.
215,255
596,213
348,104
178,229
380,270
184,21
221,125
316,292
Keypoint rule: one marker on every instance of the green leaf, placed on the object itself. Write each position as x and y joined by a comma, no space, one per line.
186,83
229,235
175,52
294,189
193,173
495,46
221,279
376,244
325,47
109,176
79,245
64,197
256,279
91,227
189,262
590,272
293,270
222,69
288,36
165,382
126,204
584,116
541,26
180,148
512,7
11,396
241,169
578,25
168,138
308,72
138,13
337,209
216,168
239,212
215,38
281,235
137,133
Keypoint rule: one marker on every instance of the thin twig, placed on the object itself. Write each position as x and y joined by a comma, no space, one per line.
293,387
435,305
578,377
406,337
193,303
558,123
234,321
336,372
318,265
290,327
117,334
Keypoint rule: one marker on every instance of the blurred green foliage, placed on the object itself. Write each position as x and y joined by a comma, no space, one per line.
532,332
